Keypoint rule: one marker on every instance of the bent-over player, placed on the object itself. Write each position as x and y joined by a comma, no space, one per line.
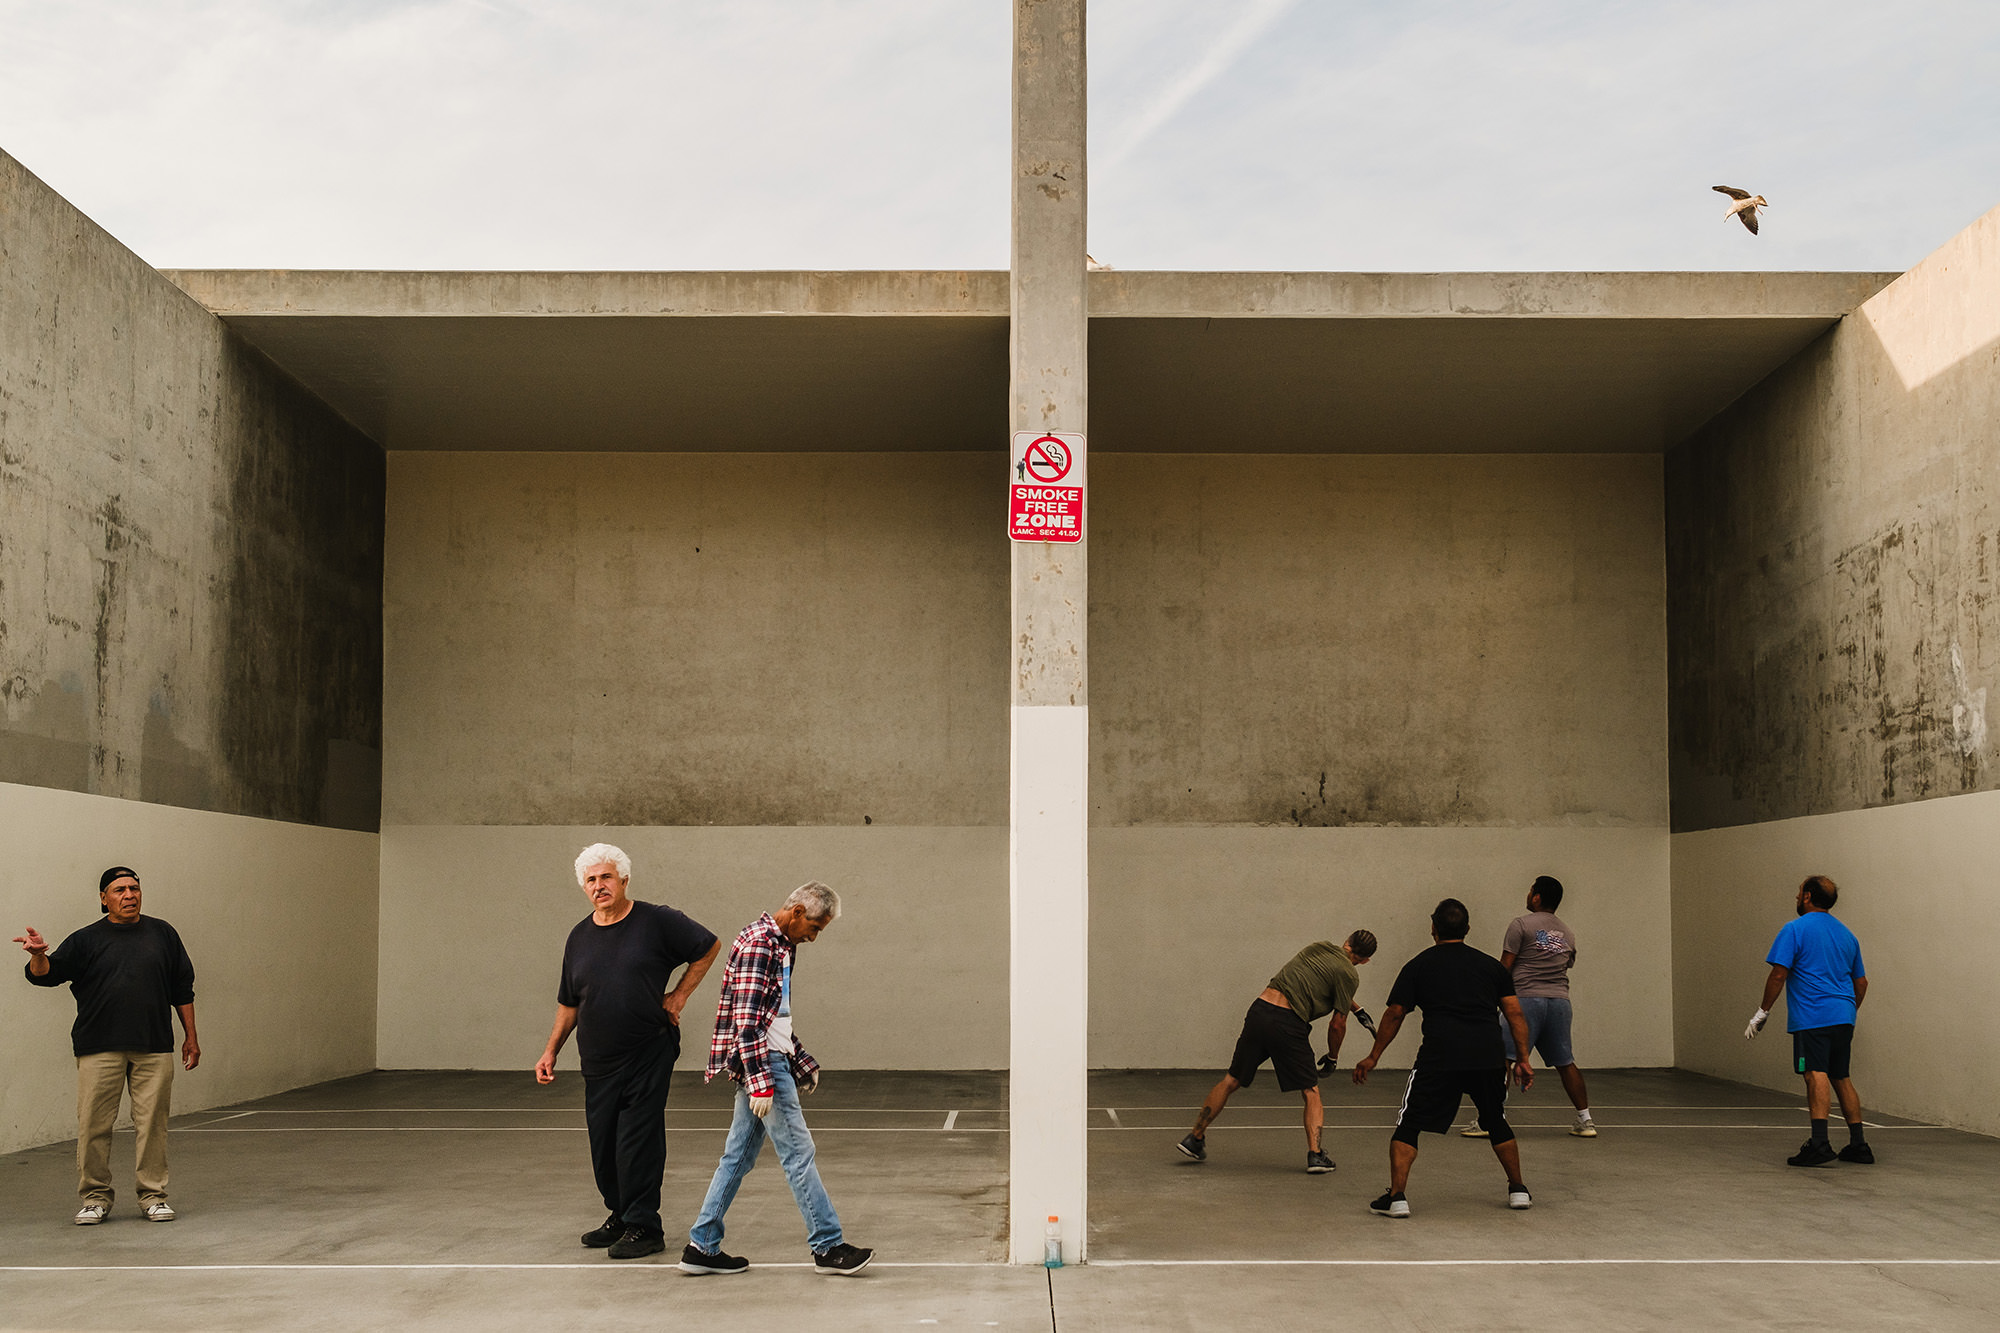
1321,979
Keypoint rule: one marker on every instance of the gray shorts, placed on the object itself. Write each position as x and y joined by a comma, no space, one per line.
1548,1029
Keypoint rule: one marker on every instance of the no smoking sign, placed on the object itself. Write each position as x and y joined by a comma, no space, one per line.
1045,490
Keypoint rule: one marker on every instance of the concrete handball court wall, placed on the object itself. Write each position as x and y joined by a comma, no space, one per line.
1327,690
190,569
1834,558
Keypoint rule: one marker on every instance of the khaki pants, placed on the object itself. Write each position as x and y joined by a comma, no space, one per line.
101,1081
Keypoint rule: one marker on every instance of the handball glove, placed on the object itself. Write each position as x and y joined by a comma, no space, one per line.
1361,1017
760,1106
1757,1021
1326,1065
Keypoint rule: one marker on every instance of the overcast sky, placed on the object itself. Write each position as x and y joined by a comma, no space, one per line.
1305,134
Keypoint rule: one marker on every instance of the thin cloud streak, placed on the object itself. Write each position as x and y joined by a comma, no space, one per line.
1214,63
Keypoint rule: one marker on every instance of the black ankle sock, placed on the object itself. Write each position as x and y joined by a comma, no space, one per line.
1854,1134
1819,1131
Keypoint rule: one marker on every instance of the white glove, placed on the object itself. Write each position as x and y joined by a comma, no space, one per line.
1757,1021
760,1106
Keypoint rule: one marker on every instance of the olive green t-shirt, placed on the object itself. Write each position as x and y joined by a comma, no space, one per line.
1318,982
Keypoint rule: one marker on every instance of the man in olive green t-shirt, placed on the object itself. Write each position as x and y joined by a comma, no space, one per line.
1321,979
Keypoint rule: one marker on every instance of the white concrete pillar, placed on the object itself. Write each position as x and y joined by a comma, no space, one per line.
1050,903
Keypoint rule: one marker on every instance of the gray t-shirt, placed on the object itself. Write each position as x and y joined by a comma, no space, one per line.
1544,949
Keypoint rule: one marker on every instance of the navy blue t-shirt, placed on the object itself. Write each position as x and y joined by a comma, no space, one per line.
617,976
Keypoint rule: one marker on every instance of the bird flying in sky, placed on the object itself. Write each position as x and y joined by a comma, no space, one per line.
1745,207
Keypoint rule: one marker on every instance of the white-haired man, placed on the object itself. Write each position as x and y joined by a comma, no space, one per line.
755,1046
614,993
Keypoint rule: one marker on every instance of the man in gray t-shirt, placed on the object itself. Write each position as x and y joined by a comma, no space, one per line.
1539,949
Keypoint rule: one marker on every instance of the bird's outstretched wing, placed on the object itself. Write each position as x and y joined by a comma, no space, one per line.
1731,191
1749,217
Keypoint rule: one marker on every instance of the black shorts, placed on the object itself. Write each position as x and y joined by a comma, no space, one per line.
1273,1032
1823,1050
1430,1103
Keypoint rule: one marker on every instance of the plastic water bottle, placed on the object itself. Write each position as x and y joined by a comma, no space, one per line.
1052,1243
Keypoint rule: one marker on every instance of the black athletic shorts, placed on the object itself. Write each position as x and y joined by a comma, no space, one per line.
1430,1103
1273,1032
1823,1050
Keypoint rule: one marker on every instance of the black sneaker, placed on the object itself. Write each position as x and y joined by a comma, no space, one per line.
843,1260
605,1235
1390,1205
1193,1149
1858,1152
1814,1152
637,1244
1318,1164
702,1264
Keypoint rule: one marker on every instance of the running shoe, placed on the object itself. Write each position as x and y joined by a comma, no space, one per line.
1318,1164
702,1264
1814,1152
1518,1197
843,1260
1473,1130
1193,1148
1583,1129
1390,1205
1858,1152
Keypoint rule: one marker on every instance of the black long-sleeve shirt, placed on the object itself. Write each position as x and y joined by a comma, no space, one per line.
127,981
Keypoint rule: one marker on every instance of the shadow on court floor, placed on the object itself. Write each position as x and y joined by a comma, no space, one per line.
453,1200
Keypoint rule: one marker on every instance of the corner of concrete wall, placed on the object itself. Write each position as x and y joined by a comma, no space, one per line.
190,663
1833,549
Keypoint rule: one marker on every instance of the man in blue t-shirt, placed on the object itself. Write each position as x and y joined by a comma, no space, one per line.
1816,961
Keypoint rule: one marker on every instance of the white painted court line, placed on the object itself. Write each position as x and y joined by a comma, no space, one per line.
568,1129
663,1268
950,1120
1116,1123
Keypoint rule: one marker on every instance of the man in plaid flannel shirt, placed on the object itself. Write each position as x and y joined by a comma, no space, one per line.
754,1045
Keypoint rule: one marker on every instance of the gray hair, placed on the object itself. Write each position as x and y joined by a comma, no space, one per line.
596,855
820,902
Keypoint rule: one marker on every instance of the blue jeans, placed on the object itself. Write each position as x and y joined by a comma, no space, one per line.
1548,1029
786,1126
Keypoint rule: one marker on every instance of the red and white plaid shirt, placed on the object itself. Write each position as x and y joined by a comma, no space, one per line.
753,983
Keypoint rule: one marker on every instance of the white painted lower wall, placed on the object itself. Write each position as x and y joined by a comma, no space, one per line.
280,920
1918,886
912,976
1186,927
1188,924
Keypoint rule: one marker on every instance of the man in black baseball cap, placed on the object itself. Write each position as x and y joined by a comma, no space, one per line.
128,974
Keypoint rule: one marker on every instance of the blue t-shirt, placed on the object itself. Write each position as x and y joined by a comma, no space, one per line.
1822,959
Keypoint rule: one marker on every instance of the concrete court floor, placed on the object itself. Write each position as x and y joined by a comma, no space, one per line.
453,1200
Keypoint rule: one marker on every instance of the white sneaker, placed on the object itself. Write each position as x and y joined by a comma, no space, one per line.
1518,1197
1473,1131
91,1214
159,1210
1583,1129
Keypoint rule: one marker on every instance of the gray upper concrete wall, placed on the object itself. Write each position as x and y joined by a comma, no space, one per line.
689,639
190,560
1833,551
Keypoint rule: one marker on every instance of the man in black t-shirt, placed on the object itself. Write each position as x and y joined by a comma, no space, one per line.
129,975
614,994
1459,989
